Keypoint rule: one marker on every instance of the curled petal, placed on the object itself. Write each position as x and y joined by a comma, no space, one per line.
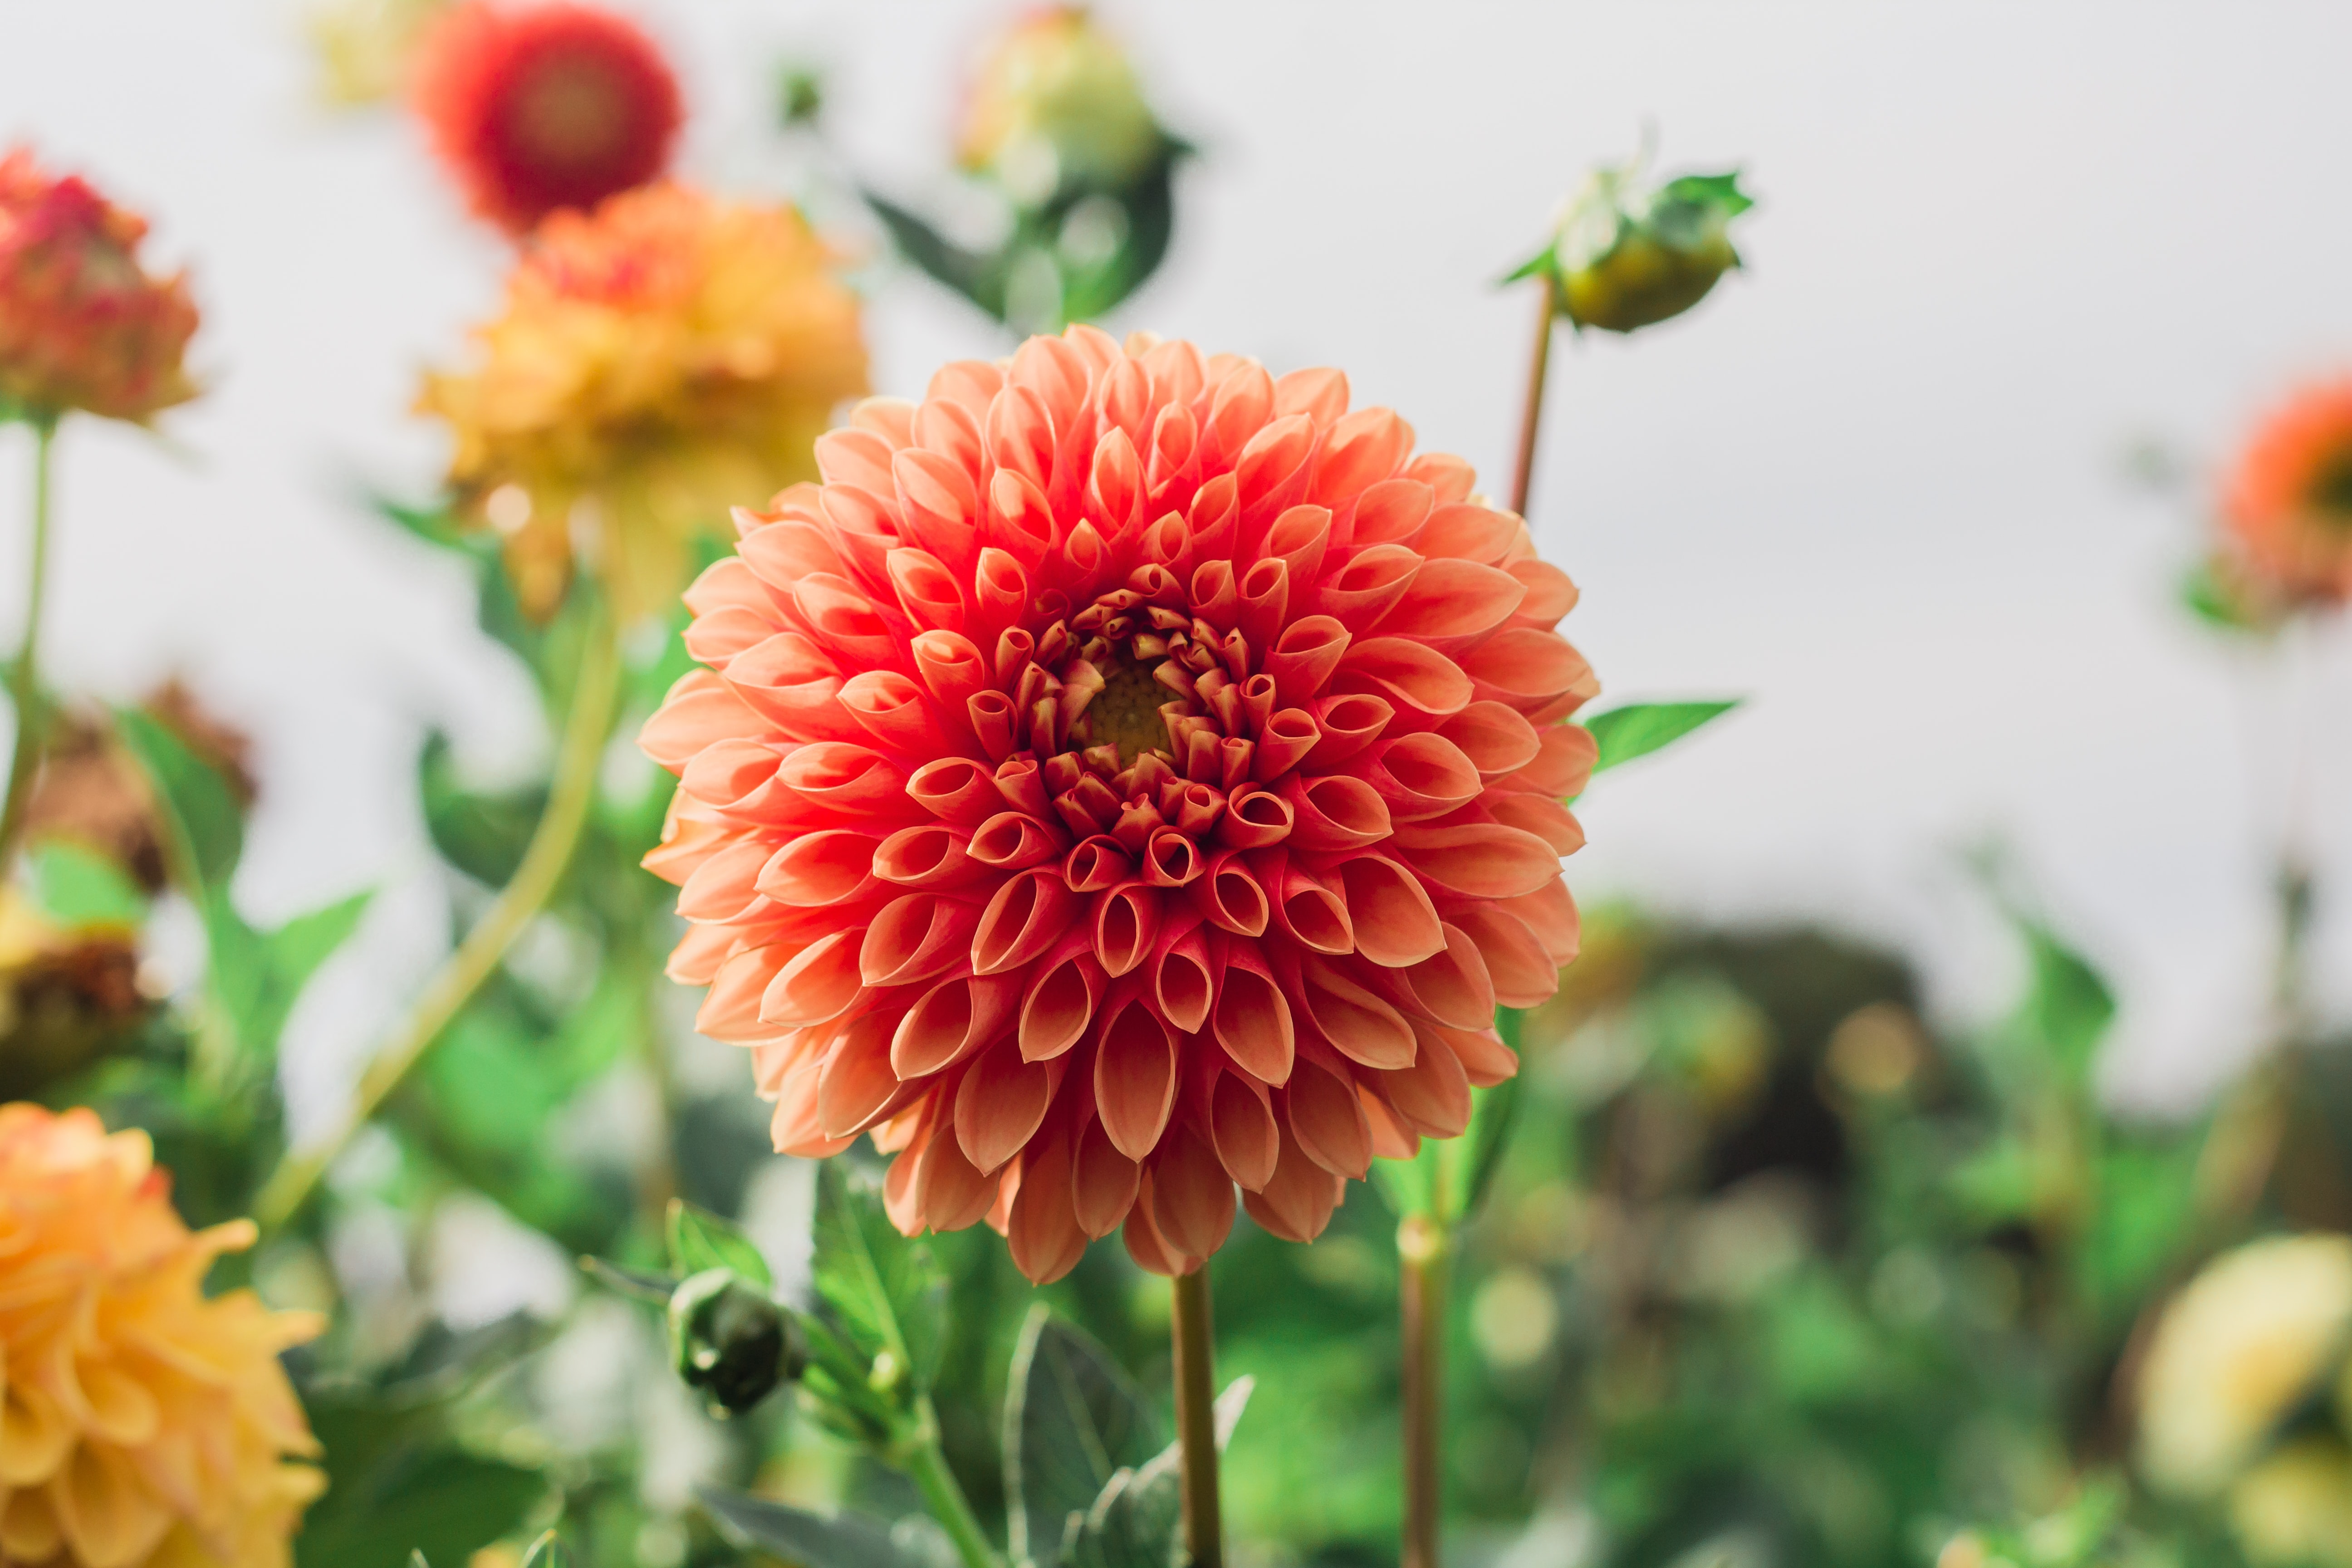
1252,1020
1298,1200
1065,989
1243,1131
1481,860
955,789
1103,1182
1335,811
1135,1077
950,1022
1043,1229
1001,1102
1193,1202
817,983
1453,986
1229,897
1431,1095
915,938
1324,1117
1021,921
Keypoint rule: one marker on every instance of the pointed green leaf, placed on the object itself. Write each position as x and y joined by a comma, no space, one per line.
2068,1005
1640,728
293,953
80,888
884,1288
795,1534
203,830
1720,192
699,1239
1071,1419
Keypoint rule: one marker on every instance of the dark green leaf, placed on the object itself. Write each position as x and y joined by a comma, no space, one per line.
699,1239
636,1282
80,888
799,1536
969,274
884,1288
482,833
1072,1418
204,832
1638,729
443,1503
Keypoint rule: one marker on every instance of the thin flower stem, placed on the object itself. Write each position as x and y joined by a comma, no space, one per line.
24,675
1531,415
926,1465
578,758
1196,1416
1421,1249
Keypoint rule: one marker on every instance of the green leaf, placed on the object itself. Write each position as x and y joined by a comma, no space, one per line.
966,272
1071,1419
80,888
2208,594
482,833
699,1239
657,1289
293,953
1640,728
2068,1005
798,1536
1719,192
441,1504
1135,1521
204,832
886,1289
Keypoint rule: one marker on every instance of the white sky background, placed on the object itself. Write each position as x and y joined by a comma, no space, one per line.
1877,483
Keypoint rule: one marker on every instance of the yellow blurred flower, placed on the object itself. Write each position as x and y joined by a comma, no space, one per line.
1056,106
2236,1351
145,1426
363,47
658,361
2295,1507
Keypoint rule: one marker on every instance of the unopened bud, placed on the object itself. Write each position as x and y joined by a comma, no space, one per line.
728,1339
1631,255
1057,108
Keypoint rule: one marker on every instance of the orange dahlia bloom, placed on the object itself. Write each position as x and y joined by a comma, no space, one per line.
2289,506
1127,777
145,1426
535,108
661,358
81,326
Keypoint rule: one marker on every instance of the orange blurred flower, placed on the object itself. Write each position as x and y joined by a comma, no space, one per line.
2288,509
535,109
657,359
1128,776
146,1425
81,326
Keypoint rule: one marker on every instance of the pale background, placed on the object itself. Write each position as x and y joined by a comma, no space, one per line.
1878,482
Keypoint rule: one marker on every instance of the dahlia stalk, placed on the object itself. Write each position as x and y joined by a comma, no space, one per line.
1125,779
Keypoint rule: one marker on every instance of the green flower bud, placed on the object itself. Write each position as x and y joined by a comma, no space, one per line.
728,1339
1630,255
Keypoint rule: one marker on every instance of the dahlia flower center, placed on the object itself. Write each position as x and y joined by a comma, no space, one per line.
1126,712
571,110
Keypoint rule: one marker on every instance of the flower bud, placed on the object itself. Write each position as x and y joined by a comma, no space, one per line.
1056,109
728,1339
1630,255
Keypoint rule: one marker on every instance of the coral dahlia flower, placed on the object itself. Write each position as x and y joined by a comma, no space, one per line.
2288,510
535,108
146,1426
1126,777
81,325
659,359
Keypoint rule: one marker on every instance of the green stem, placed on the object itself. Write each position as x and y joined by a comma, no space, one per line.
1422,1255
1196,1416
1531,411
578,758
24,675
927,1464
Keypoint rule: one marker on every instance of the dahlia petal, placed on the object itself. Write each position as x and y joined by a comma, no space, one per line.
1125,921
1153,1252
1135,1077
1055,370
1525,667
1395,922
855,1086
1000,591
1169,447
892,419
1298,539
1394,1138
718,635
1103,1182
845,622
1551,594
1192,1201
1115,484
1453,986
930,856
915,938
1263,595
816,870
1485,1060
1125,399
731,1011
1307,909
1336,811
1363,590
1242,1130
1326,1121
955,789
1271,473
1481,860
1551,914
1013,840
1045,1239
1495,736
1451,601
1178,371
35,1436
855,456
1183,984
699,712
891,711
1297,1200
1452,478
795,1129
1407,673
1563,762
1468,533
688,838
852,780
1422,776
1365,449
1256,818
1345,725
700,952
1000,1103
1238,409
1171,859
1251,1019
724,887
782,553
899,1200
1545,817
814,985
1390,512
1350,1018
1064,989
1320,394
952,430
1021,921
951,1192
950,1022
927,590
1096,862
1229,897
108,1519
1433,1095
969,383
1303,656
937,506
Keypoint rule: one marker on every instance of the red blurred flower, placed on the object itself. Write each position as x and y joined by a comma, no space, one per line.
1127,777
2289,506
81,326
539,107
